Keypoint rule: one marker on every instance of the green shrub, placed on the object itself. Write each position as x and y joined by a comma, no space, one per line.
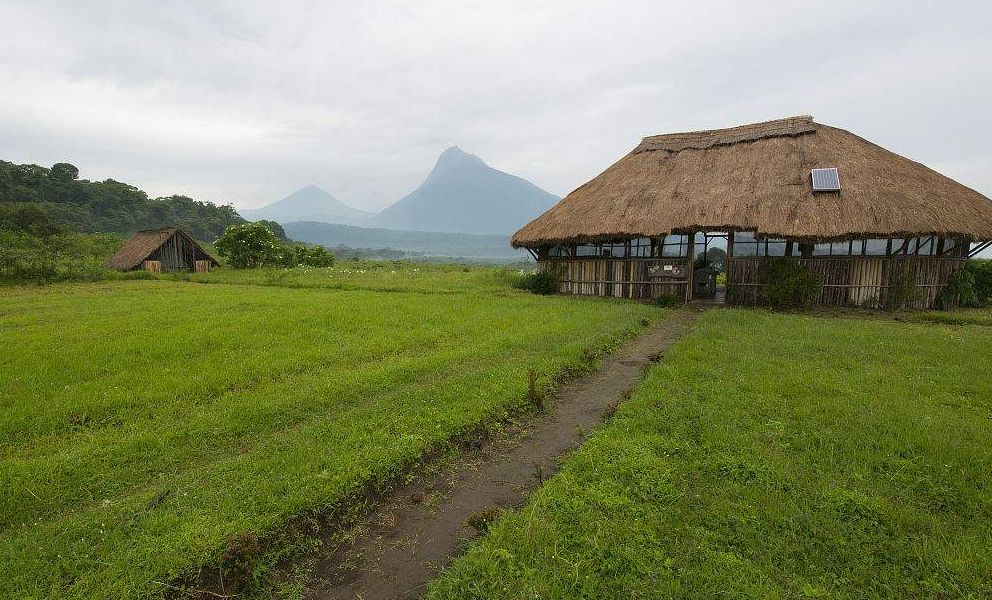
968,287
981,269
790,284
60,257
545,283
253,245
667,300
309,256
250,245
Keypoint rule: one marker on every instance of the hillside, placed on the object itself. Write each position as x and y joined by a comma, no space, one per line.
107,206
429,243
463,194
308,204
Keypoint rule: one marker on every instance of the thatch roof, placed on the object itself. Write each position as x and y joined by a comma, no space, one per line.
137,249
757,178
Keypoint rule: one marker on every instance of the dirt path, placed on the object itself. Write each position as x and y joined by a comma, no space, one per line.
419,528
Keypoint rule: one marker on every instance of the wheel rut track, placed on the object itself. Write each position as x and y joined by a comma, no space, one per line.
406,539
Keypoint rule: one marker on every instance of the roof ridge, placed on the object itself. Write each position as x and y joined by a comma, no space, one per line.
699,140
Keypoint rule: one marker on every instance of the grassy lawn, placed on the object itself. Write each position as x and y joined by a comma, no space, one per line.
964,316
145,424
770,456
384,276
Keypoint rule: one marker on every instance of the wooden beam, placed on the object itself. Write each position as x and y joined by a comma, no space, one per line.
981,246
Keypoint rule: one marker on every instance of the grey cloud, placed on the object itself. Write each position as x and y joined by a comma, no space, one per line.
245,102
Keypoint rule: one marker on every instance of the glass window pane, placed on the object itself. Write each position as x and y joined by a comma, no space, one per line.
587,250
821,250
840,248
876,247
743,236
776,248
745,249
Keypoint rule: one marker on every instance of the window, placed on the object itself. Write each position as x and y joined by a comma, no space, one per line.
775,248
675,246
558,252
876,247
745,244
643,248
614,250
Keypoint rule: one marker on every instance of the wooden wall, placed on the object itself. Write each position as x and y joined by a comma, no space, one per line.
178,253
844,280
639,278
850,280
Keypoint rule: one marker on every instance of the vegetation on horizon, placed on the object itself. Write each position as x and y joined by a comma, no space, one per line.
769,456
108,206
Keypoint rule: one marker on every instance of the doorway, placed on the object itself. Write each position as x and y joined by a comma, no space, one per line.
709,271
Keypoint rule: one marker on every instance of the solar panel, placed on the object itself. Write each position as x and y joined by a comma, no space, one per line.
826,180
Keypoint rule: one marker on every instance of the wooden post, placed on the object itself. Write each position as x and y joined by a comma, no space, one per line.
692,265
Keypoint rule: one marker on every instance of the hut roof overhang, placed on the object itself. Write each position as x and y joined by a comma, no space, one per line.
143,243
757,178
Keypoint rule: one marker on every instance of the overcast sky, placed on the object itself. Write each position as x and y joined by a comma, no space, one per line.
244,102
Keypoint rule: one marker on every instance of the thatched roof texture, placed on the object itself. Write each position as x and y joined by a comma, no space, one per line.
757,178
137,249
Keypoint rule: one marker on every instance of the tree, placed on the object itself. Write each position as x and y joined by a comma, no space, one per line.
275,228
715,257
64,172
250,245
311,256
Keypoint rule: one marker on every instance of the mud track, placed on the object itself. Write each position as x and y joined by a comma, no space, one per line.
406,539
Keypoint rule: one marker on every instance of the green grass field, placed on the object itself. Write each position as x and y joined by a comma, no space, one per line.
382,276
145,424
770,456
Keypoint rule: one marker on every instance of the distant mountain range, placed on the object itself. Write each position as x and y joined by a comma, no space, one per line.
309,204
434,244
462,194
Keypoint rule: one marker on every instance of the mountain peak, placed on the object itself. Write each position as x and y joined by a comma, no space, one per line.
455,157
463,194
309,203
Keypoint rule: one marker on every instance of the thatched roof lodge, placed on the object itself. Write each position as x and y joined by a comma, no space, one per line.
771,190
167,250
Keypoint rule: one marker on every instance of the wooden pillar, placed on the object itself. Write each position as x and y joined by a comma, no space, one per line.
806,249
690,278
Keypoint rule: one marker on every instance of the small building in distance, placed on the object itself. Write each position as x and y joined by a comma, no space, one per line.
869,225
167,250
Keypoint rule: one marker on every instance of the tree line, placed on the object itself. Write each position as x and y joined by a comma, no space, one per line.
107,206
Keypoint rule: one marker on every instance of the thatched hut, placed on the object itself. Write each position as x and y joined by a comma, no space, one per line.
167,250
862,219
